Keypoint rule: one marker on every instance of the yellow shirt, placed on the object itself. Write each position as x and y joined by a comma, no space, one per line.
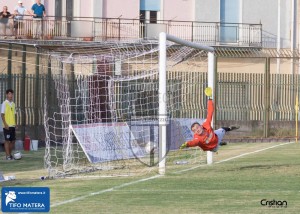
9,111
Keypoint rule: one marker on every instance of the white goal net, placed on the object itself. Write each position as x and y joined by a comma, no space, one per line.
105,119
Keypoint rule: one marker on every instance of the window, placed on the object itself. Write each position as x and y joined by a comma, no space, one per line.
148,16
229,17
142,16
153,16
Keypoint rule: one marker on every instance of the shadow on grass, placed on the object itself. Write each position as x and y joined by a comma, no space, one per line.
261,167
20,182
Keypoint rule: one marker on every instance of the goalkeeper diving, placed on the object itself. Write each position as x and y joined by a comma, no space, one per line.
204,136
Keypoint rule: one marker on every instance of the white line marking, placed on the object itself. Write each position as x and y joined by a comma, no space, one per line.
238,156
104,191
156,176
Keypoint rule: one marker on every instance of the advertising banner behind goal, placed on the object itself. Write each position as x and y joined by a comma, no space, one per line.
103,142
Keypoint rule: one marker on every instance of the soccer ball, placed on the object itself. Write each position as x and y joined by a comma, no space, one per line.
150,147
17,155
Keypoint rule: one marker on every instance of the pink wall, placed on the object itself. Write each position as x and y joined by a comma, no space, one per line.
179,10
49,5
86,8
182,10
13,3
126,8
108,8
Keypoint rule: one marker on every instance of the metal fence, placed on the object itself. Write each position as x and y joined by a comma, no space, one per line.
240,96
29,102
100,29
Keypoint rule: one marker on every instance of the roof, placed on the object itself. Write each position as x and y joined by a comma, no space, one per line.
81,47
239,52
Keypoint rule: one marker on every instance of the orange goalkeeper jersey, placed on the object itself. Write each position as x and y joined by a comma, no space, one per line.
208,140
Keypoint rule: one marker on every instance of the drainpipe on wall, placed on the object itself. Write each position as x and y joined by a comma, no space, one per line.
293,32
293,48
161,12
293,25
278,36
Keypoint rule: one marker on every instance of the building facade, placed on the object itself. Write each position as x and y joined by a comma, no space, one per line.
268,23
266,12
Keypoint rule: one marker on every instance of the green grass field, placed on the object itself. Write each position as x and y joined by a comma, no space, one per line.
233,186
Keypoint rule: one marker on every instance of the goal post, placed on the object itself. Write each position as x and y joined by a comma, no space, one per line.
163,37
162,93
124,108
211,83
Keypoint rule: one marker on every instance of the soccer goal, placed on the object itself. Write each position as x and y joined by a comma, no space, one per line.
124,108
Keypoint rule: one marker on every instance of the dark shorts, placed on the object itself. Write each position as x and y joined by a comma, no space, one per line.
17,24
9,135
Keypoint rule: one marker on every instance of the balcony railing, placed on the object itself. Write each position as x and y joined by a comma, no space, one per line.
103,29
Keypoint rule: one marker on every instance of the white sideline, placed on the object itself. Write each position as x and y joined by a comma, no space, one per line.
104,191
157,176
238,156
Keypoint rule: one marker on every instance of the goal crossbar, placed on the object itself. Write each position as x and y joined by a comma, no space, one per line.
187,43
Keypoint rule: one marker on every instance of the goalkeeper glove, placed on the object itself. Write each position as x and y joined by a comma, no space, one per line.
208,91
183,146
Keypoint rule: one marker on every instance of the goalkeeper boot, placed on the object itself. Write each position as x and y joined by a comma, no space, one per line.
223,143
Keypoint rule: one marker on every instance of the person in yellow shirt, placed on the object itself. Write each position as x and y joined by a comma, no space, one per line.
8,114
